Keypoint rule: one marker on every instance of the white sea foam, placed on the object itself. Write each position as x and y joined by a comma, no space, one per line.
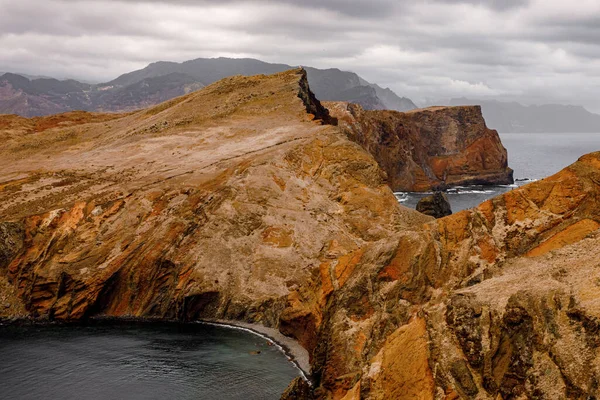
401,196
526,180
404,194
474,191
469,190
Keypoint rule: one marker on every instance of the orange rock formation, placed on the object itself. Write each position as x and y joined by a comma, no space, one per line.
431,148
239,202
509,292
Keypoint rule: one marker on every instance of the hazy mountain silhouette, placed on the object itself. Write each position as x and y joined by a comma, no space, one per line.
507,117
327,84
162,80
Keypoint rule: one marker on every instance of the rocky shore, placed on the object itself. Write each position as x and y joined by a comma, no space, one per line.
249,201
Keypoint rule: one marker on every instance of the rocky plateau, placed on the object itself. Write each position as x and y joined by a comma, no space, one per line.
250,201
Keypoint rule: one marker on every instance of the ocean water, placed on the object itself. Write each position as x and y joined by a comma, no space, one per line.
532,156
136,361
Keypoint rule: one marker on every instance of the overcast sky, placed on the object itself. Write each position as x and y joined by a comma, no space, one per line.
538,51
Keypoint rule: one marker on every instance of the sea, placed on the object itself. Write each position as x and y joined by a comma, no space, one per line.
532,156
140,361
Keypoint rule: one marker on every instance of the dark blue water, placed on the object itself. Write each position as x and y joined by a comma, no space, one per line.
140,362
532,156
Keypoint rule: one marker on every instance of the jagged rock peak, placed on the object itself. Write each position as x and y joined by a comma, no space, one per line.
258,94
313,105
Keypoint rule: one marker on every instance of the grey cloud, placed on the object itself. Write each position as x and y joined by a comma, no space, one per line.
352,8
501,5
537,50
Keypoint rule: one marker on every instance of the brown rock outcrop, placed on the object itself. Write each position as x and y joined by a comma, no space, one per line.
216,204
435,205
430,148
237,202
500,322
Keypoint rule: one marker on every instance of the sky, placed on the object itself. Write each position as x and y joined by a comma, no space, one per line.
531,51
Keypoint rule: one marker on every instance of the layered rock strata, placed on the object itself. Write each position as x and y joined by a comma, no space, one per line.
216,204
501,301
428,149
240,202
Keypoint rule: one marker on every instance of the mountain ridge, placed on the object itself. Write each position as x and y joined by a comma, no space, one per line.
163,80
241,202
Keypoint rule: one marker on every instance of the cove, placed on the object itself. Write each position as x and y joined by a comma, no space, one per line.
140,361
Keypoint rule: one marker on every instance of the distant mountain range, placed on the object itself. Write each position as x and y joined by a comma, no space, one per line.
161,81
511,117
30,77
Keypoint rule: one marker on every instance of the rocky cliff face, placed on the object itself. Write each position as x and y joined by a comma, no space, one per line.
216,204
501,301
241,202
430,148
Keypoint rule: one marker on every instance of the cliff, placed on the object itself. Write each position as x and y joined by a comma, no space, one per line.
500,301
431,148
244,201
215,204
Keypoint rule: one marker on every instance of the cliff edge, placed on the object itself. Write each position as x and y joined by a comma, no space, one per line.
428,149
215,204
244,201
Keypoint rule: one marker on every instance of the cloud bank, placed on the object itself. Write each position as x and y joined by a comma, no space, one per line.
536,51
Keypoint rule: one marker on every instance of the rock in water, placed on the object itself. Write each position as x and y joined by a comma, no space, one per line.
436,205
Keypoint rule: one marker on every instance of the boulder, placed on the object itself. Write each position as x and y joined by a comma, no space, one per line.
435,205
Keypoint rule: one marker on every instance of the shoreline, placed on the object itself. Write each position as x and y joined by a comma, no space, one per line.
294,352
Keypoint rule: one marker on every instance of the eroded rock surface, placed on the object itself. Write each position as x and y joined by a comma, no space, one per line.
508,292
244,202
216,204
430,148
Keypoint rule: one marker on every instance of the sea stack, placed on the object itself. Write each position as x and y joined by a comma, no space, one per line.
435,205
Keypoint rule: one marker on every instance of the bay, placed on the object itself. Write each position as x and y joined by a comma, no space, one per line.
532,156
134,361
